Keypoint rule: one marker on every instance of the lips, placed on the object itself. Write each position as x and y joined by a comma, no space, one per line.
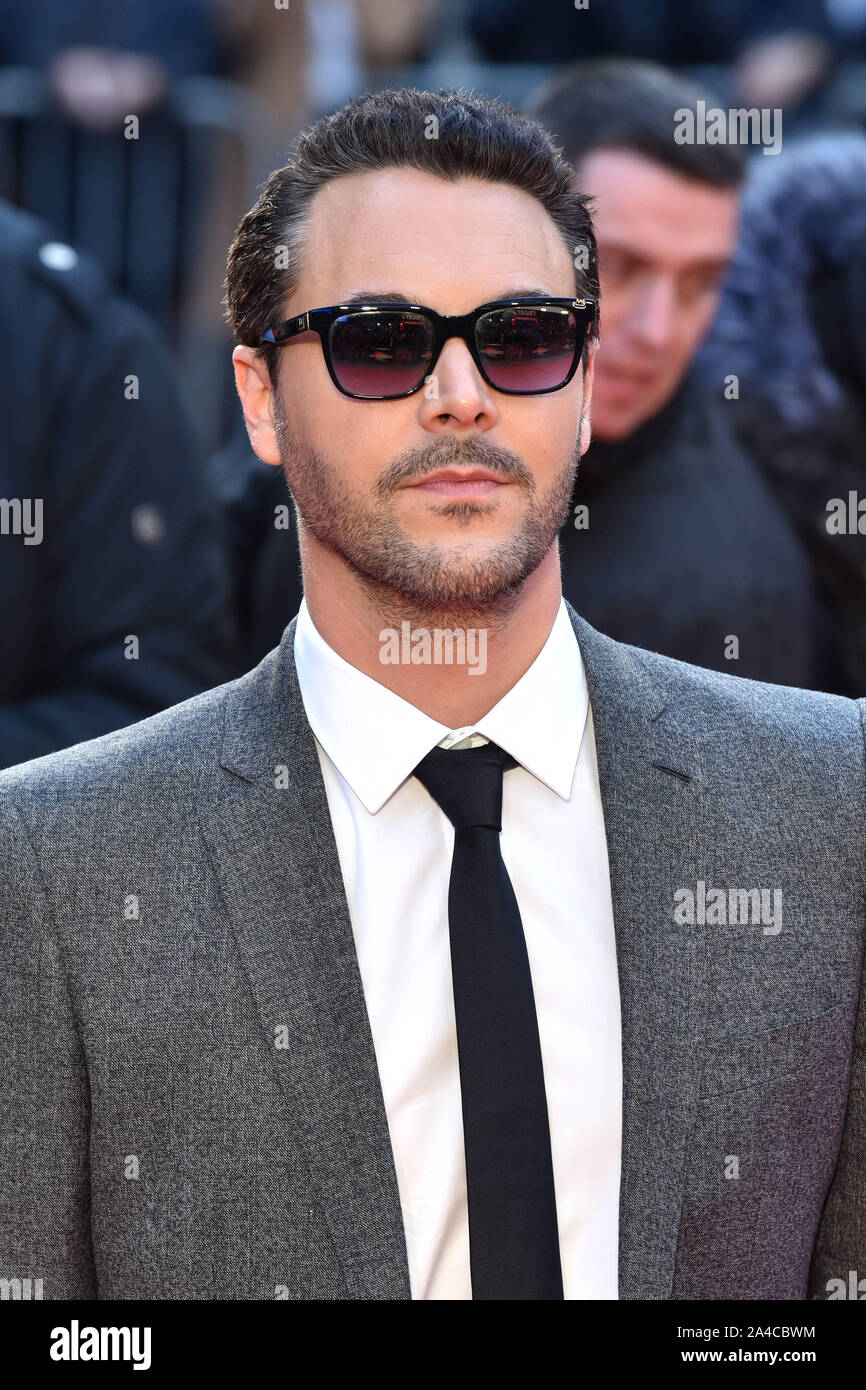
456,483
459,475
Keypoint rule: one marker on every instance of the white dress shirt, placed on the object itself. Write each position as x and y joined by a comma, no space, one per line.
395,847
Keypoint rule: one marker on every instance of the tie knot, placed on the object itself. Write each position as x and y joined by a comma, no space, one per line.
467,783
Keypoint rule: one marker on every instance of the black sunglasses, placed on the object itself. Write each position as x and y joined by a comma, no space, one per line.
382,351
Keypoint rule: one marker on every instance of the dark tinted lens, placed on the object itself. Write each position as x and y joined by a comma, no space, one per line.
381,354
527,349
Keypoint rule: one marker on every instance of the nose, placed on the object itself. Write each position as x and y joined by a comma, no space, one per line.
653,315
456,396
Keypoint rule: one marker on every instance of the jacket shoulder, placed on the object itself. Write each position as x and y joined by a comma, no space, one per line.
168,749
712,705
747,709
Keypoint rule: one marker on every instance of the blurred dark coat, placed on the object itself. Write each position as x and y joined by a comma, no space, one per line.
792,328
261,539
130,537
686,547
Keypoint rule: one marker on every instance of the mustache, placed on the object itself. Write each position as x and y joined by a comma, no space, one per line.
454,453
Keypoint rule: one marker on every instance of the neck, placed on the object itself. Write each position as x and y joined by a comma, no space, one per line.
490,647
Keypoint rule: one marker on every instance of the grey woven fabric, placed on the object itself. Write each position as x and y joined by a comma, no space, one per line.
189,1096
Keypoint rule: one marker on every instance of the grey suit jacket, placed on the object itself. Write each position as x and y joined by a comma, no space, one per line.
190,1101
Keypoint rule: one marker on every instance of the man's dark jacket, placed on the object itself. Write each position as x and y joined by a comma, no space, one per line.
130,538
687,548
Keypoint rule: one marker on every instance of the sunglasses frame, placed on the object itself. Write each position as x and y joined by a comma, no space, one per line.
445,326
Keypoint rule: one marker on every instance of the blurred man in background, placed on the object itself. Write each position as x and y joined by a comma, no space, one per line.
112,579
676,543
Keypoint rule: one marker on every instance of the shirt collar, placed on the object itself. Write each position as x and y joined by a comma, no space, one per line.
540,721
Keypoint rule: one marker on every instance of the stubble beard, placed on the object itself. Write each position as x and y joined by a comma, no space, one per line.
428,584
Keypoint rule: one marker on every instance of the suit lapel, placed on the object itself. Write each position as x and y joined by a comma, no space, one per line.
274,850
653,791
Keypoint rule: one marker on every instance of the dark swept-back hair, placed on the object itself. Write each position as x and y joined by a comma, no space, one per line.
473,136
629,104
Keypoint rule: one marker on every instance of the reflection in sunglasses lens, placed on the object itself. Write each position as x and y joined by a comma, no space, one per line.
383,354
527,349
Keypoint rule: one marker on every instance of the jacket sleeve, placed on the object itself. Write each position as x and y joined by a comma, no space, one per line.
44,1094
840,1245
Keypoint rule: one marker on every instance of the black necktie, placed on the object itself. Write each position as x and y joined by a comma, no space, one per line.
513,1236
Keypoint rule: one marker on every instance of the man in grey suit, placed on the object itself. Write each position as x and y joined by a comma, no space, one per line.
456,951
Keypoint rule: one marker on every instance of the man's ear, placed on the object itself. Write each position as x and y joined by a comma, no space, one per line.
257,399
588,379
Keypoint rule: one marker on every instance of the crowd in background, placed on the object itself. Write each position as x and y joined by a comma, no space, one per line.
145,553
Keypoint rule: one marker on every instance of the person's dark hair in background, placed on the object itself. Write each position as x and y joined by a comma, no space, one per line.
792,328
626,104
678,544
100,466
